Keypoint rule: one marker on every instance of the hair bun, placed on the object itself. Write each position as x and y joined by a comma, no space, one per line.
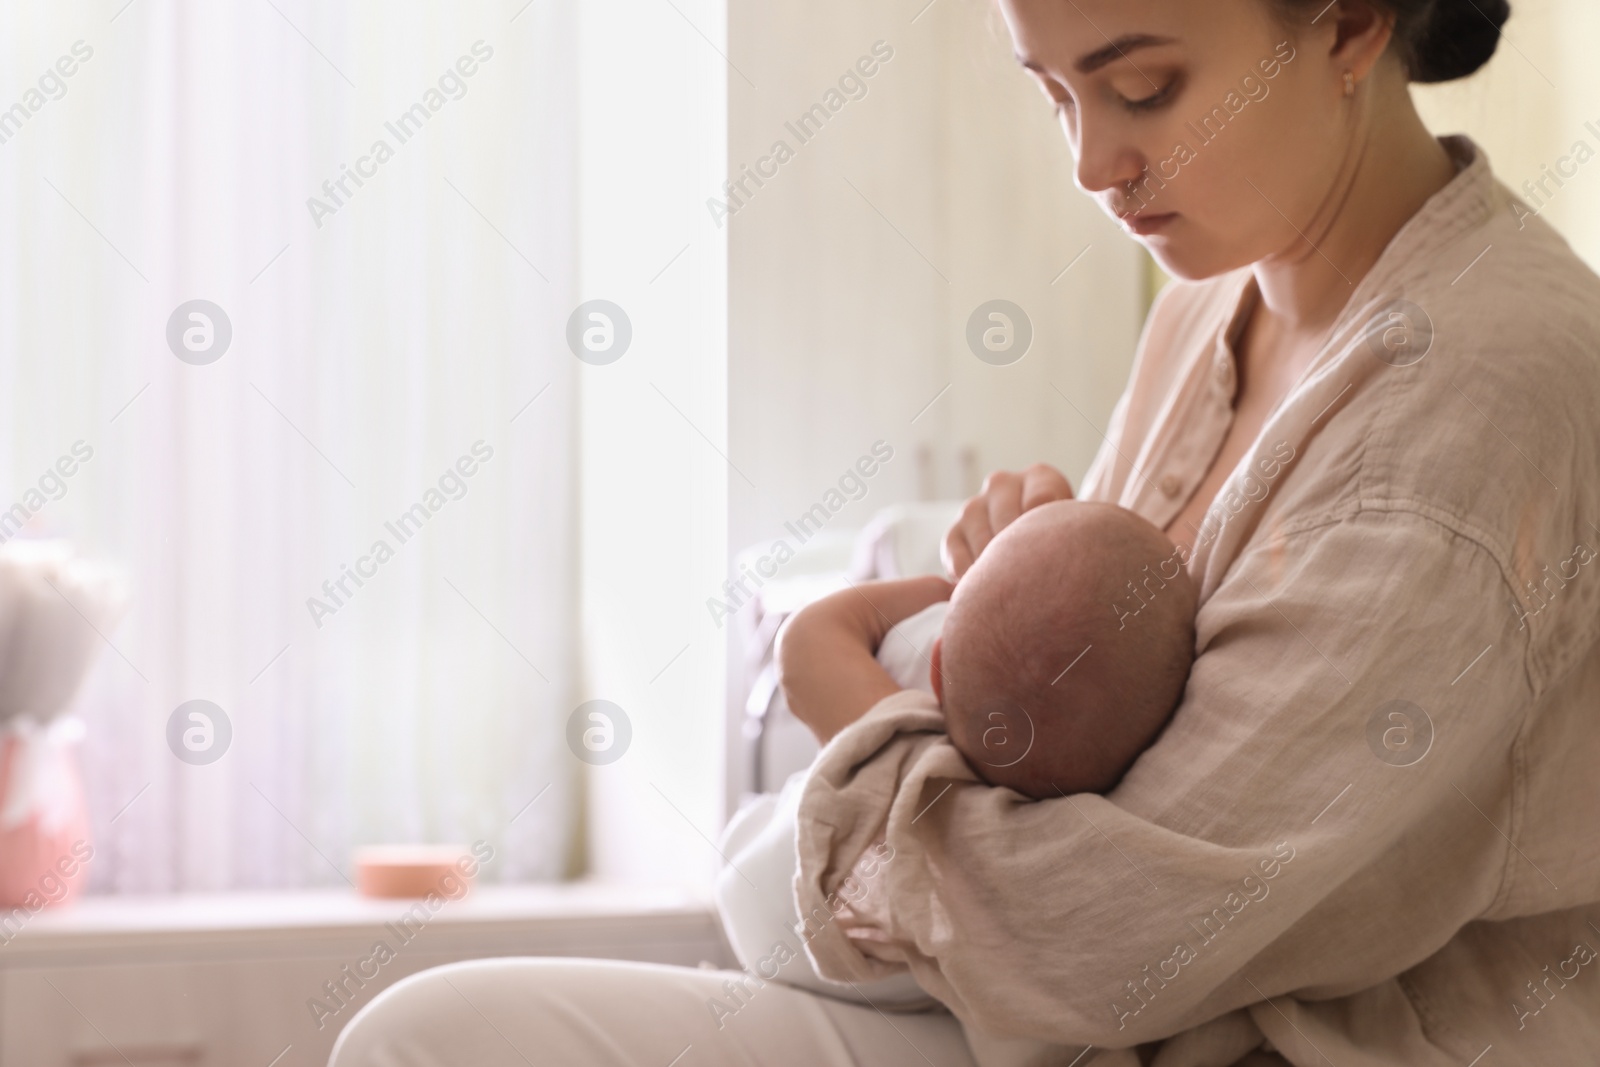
1457,39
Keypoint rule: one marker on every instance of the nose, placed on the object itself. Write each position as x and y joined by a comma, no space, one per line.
1105,158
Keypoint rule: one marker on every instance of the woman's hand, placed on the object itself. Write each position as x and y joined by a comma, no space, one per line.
1005,496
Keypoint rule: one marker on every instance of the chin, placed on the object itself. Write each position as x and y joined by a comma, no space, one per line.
1191,261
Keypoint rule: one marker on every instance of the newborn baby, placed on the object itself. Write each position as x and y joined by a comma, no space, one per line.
1057,659
1063,651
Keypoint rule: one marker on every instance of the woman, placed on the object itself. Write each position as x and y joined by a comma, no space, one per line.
1368,414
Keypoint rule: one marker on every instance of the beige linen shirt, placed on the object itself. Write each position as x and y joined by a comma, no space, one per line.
1369,834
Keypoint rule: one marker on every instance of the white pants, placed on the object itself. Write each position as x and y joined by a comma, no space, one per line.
518,1012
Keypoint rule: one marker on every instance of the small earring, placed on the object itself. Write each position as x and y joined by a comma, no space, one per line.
1349,83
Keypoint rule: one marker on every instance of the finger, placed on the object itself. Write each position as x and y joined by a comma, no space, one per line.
1003,491
969,534
976,527
955,553
1041,484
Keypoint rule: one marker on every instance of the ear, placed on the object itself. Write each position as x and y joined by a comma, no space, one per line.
936,676
1363,30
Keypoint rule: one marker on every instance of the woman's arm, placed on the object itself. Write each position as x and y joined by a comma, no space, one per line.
1322,813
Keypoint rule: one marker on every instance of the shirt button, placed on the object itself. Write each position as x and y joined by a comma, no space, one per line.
1224,370
1170,485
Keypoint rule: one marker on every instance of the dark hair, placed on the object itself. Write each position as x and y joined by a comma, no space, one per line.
1442,40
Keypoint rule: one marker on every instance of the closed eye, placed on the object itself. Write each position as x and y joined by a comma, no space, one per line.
1154,100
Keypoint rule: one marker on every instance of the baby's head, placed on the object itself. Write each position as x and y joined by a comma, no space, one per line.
1066,648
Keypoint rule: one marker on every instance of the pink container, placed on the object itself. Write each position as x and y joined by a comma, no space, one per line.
44,818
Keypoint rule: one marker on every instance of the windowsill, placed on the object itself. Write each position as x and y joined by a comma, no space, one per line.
584,916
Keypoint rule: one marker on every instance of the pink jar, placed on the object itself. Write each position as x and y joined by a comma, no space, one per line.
44,819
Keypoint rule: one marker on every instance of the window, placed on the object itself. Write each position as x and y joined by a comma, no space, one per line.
298,278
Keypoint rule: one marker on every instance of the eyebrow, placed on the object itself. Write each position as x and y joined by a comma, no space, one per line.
1112,52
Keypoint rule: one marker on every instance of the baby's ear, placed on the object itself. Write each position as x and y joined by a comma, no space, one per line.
936,675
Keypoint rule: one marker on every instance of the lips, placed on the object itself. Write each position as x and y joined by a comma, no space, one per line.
1147,225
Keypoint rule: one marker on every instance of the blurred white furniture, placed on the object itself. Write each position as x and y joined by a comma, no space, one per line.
217,980
900,541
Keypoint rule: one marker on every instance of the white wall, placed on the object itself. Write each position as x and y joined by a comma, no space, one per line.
1531,105
653,481
848,305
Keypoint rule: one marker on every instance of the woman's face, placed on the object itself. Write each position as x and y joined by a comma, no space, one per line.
1227,125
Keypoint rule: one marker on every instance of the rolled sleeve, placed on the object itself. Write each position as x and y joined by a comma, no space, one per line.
1324,811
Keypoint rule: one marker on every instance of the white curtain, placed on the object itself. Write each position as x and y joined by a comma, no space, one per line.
402,326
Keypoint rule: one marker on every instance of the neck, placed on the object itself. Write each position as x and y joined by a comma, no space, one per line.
1391,167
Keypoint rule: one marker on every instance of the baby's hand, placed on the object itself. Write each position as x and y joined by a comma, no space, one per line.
1004,497
827,662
